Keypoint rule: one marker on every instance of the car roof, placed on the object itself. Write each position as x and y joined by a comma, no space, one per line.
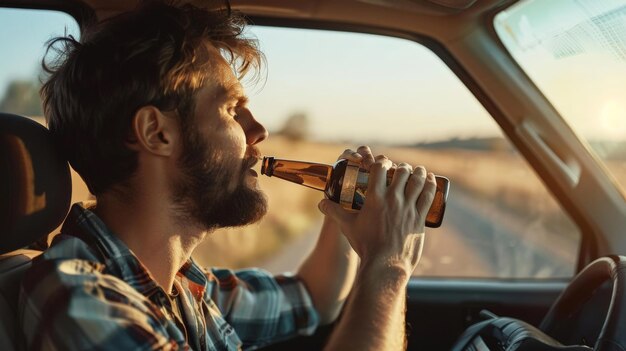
441,19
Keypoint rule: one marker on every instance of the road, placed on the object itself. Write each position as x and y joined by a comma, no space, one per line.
477,240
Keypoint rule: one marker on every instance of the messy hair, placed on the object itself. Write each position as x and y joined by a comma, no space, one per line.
156,54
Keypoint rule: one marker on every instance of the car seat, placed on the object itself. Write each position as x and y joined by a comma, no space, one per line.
35,192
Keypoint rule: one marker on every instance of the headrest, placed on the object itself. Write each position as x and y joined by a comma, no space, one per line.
35,183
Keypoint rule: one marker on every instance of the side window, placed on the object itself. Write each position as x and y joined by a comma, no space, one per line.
327,91
23,41
575,53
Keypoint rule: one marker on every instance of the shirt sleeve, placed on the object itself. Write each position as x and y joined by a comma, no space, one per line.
70,305
262,308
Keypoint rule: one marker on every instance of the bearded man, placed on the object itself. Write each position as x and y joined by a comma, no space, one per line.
149,109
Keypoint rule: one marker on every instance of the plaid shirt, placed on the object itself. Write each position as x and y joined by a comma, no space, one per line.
89,291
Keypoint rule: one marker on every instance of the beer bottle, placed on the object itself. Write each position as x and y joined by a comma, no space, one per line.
345,183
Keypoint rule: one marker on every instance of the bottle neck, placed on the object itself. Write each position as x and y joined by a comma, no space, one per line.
309,174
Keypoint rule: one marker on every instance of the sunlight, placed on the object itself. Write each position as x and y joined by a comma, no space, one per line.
612,119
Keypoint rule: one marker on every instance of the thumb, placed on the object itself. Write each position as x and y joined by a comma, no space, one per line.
334,211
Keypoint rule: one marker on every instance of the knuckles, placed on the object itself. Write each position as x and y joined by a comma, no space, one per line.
420,171
430,186
419,176
380,166
403,170
381,158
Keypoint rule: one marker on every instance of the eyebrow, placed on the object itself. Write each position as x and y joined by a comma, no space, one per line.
234,92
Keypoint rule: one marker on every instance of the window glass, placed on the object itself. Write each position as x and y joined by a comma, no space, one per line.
326,91
23,35
575,52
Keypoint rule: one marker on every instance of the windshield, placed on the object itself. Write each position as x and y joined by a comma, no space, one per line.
575,52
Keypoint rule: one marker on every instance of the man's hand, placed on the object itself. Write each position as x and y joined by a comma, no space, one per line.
387,234
329,270
389,229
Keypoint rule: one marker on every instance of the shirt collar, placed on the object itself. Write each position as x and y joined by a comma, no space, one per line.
119,259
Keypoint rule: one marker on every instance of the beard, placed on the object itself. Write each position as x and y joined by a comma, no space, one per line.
203,194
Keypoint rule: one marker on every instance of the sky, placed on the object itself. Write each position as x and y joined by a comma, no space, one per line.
575,51
391,90
376,87
379,89
22,39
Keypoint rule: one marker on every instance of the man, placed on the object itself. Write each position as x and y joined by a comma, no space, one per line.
149,109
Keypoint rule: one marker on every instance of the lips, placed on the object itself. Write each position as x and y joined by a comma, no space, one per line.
252,158
250,162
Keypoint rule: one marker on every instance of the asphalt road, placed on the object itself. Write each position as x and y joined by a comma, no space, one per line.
477,240
483,240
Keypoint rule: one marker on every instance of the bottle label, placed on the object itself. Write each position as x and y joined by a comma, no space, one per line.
354,187
349,185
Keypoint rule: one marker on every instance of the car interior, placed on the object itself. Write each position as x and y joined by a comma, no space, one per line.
584,311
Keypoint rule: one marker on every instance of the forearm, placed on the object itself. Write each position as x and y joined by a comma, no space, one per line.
328,272
374,316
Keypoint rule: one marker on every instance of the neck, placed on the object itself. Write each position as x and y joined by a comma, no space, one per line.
147,225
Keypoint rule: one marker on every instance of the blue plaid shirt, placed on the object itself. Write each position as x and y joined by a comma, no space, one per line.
89,291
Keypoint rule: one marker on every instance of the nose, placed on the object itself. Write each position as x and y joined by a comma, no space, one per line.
255,131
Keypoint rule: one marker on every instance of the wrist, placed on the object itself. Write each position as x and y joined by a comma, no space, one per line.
386,271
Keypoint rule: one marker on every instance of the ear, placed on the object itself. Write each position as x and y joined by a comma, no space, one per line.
154,132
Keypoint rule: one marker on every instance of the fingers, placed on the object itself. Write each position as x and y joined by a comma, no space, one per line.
377,185
368,157
351,155
400,176
335,212
420,190
425,199
363,156
415,184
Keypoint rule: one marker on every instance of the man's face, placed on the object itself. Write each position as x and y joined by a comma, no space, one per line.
216,187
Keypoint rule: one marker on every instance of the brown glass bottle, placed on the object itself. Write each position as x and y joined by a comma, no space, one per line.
345,183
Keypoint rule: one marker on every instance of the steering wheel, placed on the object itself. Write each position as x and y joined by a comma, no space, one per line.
613,269
511,334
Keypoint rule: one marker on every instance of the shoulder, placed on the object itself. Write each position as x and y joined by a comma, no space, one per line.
71,273
73,301
69,247
67,264
71,304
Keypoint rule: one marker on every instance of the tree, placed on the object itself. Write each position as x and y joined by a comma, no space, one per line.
22,97
296,127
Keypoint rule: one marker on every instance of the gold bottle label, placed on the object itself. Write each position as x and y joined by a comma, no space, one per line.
354,187
349,185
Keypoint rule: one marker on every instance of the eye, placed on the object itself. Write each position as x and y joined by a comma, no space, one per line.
232,111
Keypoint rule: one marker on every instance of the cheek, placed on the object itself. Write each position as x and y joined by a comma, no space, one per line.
240,140
226,142
227,134
230,149
236,138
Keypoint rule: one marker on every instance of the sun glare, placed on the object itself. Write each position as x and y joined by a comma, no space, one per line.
613,120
